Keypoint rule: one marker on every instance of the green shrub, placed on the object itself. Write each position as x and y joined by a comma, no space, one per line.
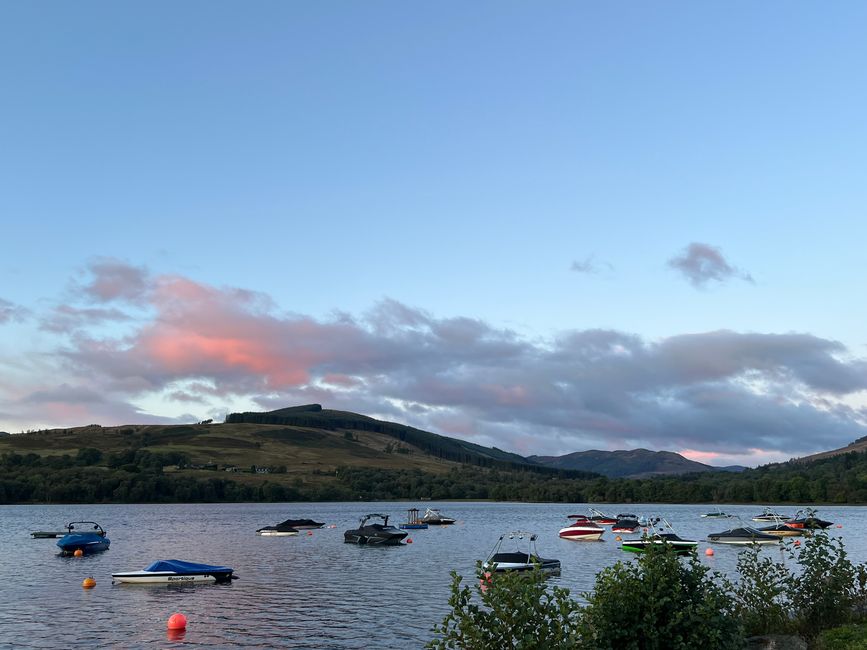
762,593
848,637
660,603
510,610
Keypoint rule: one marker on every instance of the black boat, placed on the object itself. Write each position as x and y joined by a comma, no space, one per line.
743,536
300,524
626,523
525,557
808,520
374,534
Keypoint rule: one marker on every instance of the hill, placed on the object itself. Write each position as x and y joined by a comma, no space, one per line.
634,463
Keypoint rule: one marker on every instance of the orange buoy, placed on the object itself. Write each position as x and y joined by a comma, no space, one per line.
797,542
708,551
409,540
177,622
88,583
78,552
618,538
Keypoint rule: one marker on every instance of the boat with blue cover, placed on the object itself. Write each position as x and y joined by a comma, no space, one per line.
177,572
84,536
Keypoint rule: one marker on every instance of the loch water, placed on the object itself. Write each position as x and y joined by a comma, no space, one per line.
309,591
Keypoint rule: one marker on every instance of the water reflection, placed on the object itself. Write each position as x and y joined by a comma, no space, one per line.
310,591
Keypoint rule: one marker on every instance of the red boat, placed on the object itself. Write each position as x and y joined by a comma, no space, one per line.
601,519
582,529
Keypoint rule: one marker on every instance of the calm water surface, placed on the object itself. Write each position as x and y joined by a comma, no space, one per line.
310,591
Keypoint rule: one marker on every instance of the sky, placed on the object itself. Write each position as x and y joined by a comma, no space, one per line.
543,227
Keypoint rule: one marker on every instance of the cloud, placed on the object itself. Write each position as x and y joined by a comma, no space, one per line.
733,394
701,264
590,265
66,318
11,312
111,279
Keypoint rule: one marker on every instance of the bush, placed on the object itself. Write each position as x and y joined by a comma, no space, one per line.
762,594
848,637
516,611
660,603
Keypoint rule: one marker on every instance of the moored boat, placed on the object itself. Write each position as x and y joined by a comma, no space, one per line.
581,528
601,518
279,530
301,524
743,535
807,519
525,557
176,572
413,521
770,516
663,535
717,514
84,536
434,517
781,529
374,534
626,523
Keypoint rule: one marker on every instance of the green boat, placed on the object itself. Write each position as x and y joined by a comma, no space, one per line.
663,535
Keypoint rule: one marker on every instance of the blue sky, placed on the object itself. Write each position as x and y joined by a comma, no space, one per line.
524,174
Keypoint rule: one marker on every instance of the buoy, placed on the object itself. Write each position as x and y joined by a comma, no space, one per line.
618,538
839,525
409,540
177,622
88,583
708,551
797,542
78,552
309,532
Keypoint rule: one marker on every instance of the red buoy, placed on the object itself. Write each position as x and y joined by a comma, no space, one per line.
177,622
708,552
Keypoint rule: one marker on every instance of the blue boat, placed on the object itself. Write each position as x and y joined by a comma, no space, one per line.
84,536
413,521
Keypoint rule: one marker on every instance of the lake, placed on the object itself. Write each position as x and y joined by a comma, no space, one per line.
310,591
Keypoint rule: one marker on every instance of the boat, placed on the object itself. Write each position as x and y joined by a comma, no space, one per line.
374,534
782,529
301,524
280,530
434,517
600,518
176,572
413,521
808,519
525,557
662,535
89,537
770,516
581,528
743,535
717,514
626,523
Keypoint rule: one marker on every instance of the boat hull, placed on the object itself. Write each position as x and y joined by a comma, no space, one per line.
373,540
413,526
640,546
277,533
167,577
87,543
579,535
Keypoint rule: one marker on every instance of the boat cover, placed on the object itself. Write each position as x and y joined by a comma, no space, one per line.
179,566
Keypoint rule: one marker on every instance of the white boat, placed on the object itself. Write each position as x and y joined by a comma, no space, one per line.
176,572
582,529
525,557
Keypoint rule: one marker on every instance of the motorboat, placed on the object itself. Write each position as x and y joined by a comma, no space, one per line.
581,528
374,534
770,516
743,535
84,536
176,572
434,517
626,523
280,530
301,524
601,518
717,514
662,535
782,529
808,519
413,521
524,557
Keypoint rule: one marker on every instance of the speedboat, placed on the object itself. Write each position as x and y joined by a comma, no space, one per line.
581,528
663,535
374,534
525,557
770,516
782,529
626,523
434,517
600,518
743,535
808,519
413,522
280,530
300,524
89,537
177,572
717,514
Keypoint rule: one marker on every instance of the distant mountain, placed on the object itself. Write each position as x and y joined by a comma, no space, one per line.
634,463
859,445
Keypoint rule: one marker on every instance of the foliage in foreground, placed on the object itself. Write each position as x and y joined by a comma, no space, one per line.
662,601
